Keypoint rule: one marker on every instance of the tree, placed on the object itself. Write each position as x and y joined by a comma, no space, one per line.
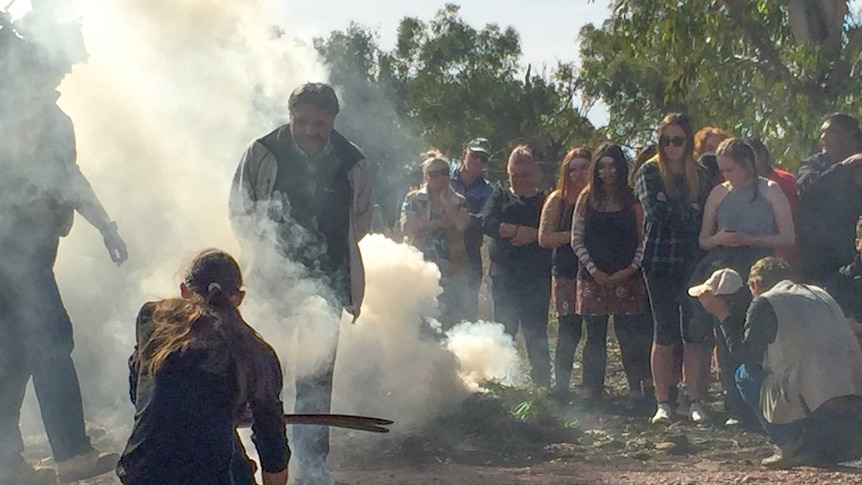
758,67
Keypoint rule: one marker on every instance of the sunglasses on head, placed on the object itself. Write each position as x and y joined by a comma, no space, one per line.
676,141
443,172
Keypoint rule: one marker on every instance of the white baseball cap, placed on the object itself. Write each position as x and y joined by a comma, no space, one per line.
723,282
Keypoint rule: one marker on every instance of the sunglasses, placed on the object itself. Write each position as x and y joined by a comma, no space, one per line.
676,141
443,172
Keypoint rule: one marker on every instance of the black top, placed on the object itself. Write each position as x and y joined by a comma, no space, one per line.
829,205
317,195
748,337
531,260
184,431
611,238
564,259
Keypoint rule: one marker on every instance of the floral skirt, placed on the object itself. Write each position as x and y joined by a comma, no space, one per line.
623,298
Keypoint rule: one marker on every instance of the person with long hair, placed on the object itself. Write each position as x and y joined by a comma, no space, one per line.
555,234
197,368
520,268
786,182
745,219
607,238
672,189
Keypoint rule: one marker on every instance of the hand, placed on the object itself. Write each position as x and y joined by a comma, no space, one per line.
622,274
730,238
714,305
661,197
853,162
507,231
116,246
601,278
524,236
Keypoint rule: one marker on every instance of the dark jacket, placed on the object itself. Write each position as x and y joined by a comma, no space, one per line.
829,204
185,414
531,260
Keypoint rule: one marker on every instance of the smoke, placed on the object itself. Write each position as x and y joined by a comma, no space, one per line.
173,92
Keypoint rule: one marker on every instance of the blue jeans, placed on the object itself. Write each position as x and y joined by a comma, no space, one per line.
749,379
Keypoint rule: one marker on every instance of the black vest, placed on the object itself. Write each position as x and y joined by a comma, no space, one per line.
319,197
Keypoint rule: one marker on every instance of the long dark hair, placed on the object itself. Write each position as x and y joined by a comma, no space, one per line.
622,191
208,317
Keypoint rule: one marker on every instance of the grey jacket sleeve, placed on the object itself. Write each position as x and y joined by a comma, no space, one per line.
243,194
363,209
79,193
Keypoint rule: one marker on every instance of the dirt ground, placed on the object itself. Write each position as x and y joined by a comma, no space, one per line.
481,444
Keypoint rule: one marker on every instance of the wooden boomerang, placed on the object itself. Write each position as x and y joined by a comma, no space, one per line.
361,423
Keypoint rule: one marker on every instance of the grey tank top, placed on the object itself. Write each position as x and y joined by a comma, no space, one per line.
747,210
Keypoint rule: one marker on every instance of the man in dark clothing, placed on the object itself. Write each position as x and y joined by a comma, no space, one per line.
40,190
520,268
845,286
830,198
302,193
801,369
468,182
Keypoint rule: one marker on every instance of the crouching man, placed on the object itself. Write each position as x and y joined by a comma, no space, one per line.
801,367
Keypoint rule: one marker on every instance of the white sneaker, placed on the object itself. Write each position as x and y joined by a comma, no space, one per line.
696,412
662,414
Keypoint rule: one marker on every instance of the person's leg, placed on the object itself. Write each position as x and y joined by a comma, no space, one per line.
595,355
749,380
506,304
634,340
59,394
666,338
13,386
533,310
567,343
316,355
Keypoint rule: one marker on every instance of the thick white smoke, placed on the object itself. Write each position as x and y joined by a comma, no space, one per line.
173,92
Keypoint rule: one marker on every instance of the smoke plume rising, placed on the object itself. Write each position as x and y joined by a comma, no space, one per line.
173,92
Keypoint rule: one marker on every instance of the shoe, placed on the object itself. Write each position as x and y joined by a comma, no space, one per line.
662,414
17,471
790,456
732,422
697,412
86,465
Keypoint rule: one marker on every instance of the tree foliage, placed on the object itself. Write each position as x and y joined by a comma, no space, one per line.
444,83
770,68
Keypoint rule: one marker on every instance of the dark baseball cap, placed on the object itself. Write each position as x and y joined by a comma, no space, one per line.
479,145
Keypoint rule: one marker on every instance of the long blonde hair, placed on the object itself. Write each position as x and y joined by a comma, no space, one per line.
692,178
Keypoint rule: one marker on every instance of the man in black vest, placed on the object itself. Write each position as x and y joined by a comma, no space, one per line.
302,193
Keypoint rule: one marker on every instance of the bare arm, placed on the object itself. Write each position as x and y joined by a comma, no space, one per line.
709,236
549,237
363,209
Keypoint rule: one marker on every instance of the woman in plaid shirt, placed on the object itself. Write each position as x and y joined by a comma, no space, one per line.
672,188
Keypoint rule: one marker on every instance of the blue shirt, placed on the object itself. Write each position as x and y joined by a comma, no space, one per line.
477,192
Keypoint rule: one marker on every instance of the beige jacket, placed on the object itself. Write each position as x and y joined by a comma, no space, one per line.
814,357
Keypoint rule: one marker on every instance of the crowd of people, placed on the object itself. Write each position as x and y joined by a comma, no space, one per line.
658,243
662,245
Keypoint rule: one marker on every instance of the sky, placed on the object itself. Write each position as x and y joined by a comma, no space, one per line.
548,28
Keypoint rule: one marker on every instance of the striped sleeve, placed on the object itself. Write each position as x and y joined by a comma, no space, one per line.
578,228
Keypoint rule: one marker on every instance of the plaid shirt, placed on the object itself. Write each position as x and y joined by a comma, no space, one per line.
671,226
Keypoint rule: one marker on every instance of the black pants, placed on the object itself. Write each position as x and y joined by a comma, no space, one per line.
570,329
36,341
523,302
634,334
